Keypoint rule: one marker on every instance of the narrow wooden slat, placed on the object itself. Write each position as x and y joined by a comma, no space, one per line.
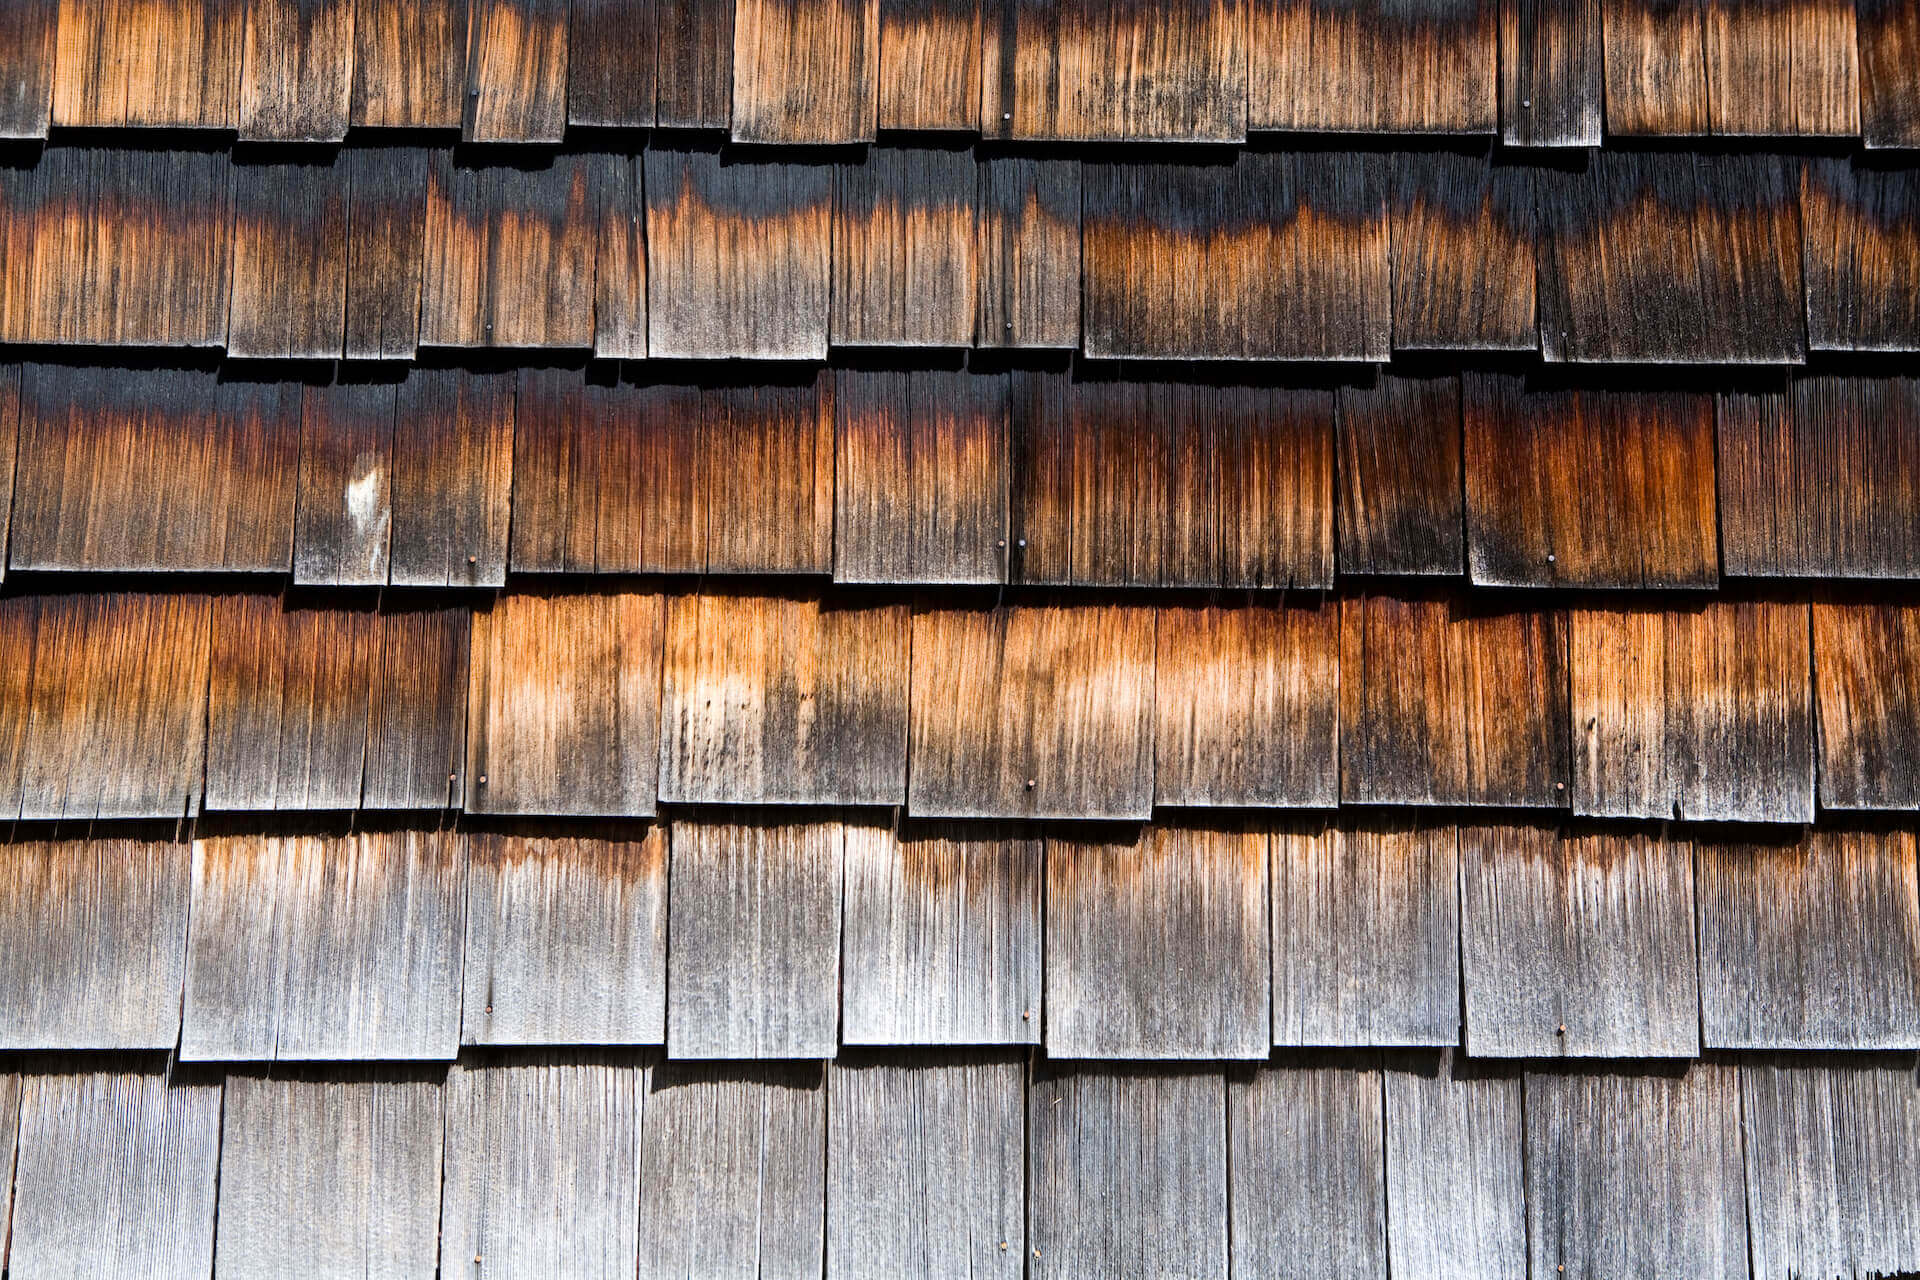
1866,663
343,518
1811,945
172,65
769,700
753,969
1888,39
9,1141
100,929
1862,229
1656,67
1456,1204
1366,936
1399,484
516,71
563,706
929,73
1781,69
695,64
566,940
905,270
296,73
620,259
767,452
1551,83
1372,66
26,80
941,938
452,477
611,63
307,948
334,1175
1029,227
289,262
805,71
417,719
1247,707
9,440
1577,945
409,63
115,1176
1127,1173
1463,270
1032,712
386,250
1703,714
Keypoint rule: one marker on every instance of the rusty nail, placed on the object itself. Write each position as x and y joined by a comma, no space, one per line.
489,1008
1026,1015
1560,1030
1001,543
1030,783
483,779
473,559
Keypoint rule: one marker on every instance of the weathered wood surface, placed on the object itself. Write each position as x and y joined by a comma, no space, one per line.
1398,486
1866,659
1456,1199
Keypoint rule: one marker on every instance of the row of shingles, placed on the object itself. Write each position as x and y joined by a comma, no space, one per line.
1340,256
964,1165
836,71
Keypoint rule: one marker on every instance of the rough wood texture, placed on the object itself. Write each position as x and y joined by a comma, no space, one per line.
1578,945
1157,948
9,440
115,1176
1029,228
9,1142
102,706
1866,660
1862,232
765,700
1097,71
1441,704
1818,481
695,64
409,63
804,71
1832,1187
1635,1174
564,705
1588,488
1811,945
333,1175
610,83
924,1167
1032,712
356,953
26,85
941,938
566,940
1456,1204
1127,1173
1274,256
417,724
296,76
170,65
1366,936
905,256
343,518
516,71
1656,69
386,250
769,464
1783,69
1373,66
542,1166
1399,484
1551,85
753,1204
738,257
452,479
1670,258
929,76
100,934
753,969
1703,714
1888,36
1327,1121
1247,707
1463,270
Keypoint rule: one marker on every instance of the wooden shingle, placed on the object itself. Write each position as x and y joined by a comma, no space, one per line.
452,476
805,71
9,440
1656,69
1888,34
1551,82
611,84
1862,231
172,65
767,451
1866,663
386,250
930,60
296,72
1781,69
26,83
343,514
409,63
516,71
1029,258
1463,270
1372,66
1399,485
1456,1204
695,71
417,720
905,268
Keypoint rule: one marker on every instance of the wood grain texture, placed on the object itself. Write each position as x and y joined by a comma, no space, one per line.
1029,228
296,70
768,456
611,84
1888,38
930,61
115,1175
1247,707
289,262
1156,948
1656,68
563,705
343,515
753,965
1326,1122
132,64
805,71
695,51
1817,481
542,1165
1631,1173
940,938
100,930
9,1140
1831,1182
1456,1203
566,940
924,1167
1399,484
1702,714
104,706
1373,66
1670,258
920,476
905,256
26,84
417,716
1443,704
1813,944
738,256
409,64
1862,242
452,478
768,700
1127,1173
334,1175
1588,487
386,250
1551,81
1274,256
1866,662
9,442
754,1204
1463,269
356,954
1134,71
1781,69
516,71
1578,945
1032,712
1366,936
